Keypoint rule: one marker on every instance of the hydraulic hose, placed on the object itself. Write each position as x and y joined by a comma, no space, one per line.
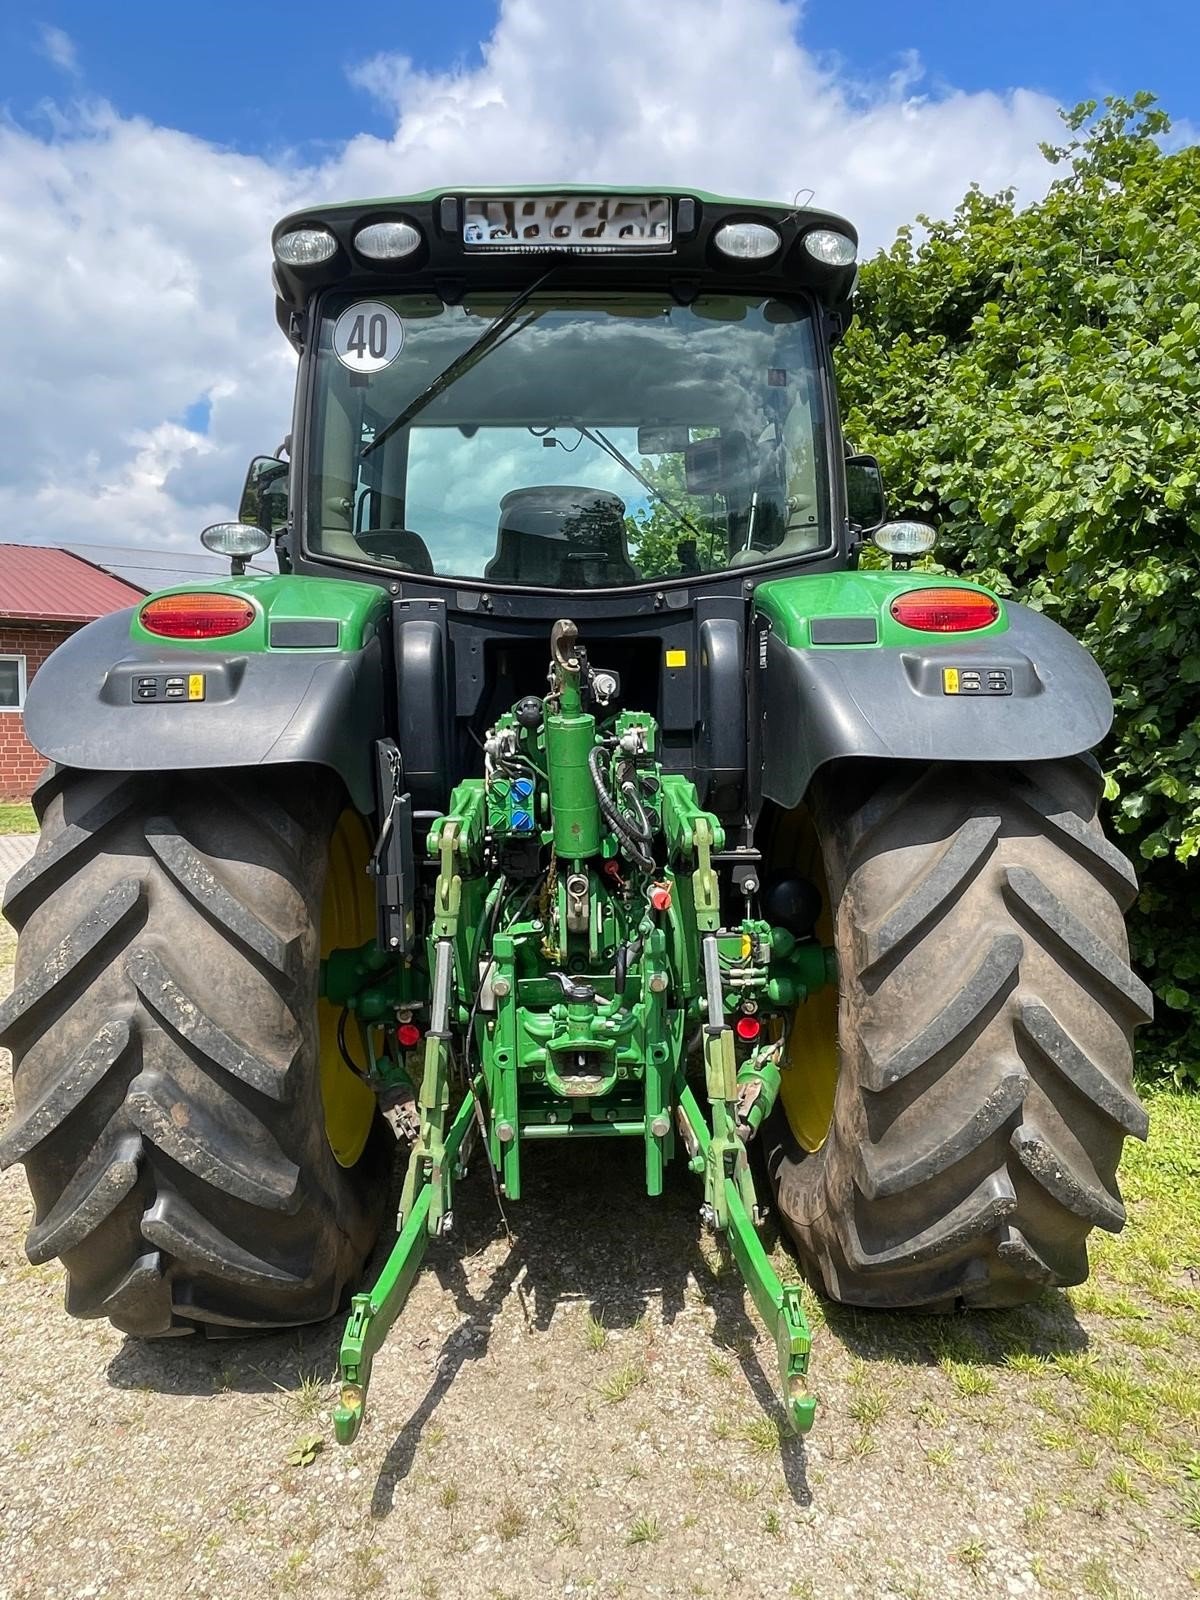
639,823
621,825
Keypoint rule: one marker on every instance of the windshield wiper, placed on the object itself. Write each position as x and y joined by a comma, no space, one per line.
610,449
462,363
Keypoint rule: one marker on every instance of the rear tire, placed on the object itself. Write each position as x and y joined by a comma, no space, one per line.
986,1015
164,1040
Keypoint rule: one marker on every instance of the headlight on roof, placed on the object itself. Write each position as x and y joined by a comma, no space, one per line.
830,248
305,247
387,241
747,241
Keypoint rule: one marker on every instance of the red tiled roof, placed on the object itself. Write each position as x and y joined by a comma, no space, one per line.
42,584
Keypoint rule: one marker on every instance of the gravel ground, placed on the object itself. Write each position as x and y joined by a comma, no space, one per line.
590,1411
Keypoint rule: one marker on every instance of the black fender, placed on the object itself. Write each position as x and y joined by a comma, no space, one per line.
889,702
260,707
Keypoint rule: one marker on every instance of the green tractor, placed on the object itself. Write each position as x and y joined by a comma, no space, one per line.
573,779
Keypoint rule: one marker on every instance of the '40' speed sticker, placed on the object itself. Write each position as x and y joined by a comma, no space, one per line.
368,336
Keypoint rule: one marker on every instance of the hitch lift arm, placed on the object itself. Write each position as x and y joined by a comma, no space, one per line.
372,1315
779,1304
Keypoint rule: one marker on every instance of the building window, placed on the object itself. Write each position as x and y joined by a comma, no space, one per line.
12,683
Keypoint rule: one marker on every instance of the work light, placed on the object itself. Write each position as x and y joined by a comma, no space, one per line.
305,247
903,538
387,241
747,241
830,248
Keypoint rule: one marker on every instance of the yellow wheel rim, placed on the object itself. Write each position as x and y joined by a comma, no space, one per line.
347,921
810,1065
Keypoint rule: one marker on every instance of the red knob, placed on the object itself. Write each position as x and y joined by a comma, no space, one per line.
660,896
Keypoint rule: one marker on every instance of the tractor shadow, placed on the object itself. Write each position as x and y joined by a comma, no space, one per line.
586,1235
1046,1326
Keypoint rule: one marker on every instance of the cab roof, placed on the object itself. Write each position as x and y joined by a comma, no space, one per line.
451,265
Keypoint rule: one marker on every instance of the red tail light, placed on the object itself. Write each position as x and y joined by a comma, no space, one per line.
945,610
747,1029
197,616
408,1035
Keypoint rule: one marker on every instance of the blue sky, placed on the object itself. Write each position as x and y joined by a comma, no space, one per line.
266,78
147,147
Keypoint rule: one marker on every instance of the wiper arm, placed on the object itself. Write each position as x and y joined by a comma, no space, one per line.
462,363
610,449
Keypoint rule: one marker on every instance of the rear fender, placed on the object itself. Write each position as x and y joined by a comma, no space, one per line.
304,683
842,678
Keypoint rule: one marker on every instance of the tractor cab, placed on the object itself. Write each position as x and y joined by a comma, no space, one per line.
564,390
506,399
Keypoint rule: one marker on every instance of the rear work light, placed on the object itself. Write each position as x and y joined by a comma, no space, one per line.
945,610
197,616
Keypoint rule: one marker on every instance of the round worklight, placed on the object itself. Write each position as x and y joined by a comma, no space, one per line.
387,241
305,247
830,248
904,538
235,539
747,241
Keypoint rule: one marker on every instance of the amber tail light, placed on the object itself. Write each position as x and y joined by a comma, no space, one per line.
945,610
196,616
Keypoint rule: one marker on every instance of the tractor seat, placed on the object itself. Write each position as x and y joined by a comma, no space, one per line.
401,545
563,536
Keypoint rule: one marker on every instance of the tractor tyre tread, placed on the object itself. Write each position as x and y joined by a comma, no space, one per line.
986,1014
162,1028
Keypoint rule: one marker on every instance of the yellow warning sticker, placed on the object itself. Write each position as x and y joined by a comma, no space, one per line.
195,686
949,680
677,658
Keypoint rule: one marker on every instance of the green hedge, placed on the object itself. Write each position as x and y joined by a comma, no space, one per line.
1030,379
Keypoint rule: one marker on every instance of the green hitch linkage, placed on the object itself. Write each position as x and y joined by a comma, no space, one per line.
778,1304
372,1315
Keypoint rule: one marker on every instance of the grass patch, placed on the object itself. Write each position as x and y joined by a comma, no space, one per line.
512,1521
868,1407
972,1555
619,1385
763,1435
1097,1578
968,1380
1160,1181
17,817
644,1530
595,1334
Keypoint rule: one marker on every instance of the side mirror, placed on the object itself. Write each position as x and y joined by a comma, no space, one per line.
866,502
264,502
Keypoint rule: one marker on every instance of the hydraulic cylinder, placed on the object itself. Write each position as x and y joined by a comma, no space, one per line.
570,734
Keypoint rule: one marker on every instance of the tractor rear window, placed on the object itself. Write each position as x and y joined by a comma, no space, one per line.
568,442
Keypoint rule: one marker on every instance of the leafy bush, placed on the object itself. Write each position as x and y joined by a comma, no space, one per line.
1030,381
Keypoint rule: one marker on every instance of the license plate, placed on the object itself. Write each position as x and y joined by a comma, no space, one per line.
592,223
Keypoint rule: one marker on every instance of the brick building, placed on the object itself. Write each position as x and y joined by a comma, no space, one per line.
45,596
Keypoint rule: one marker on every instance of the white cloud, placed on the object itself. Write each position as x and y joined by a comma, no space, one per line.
58,47
134,264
